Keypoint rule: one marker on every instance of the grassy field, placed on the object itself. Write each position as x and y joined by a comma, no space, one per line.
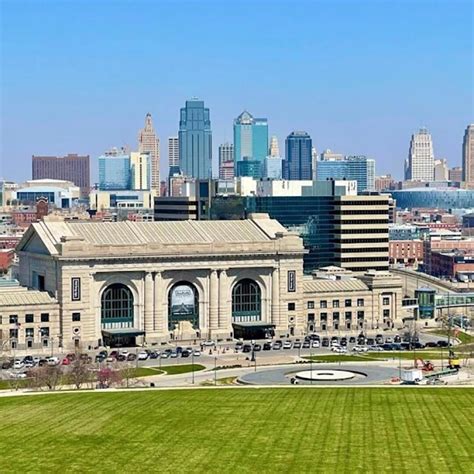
340,358
167,369
241,430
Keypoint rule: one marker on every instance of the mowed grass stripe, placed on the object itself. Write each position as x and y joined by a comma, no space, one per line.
240,430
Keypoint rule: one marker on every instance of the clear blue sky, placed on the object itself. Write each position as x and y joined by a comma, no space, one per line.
359,76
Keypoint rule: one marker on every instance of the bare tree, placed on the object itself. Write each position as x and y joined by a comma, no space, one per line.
46,377
128,374
109,376
79,372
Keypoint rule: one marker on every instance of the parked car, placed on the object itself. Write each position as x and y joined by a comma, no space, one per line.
352,340
257,347
379,339
18,364
277,345
431,344
154,354
287,345
344,341
339,349
315,344
121,357
334,342
246,348
397,339
71,356
307,344
370,341
442,343
53,361
99,358
208,343
267,346
185,353
143,355
197,352
165,355
388,340
325,342
7,364
66,361
358,348
174,355
238,346
297,345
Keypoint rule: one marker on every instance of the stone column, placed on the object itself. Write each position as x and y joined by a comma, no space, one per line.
276,297
224,321
213,302
148,310
158,319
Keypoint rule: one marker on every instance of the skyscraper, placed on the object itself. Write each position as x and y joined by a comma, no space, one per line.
141,171
468,155
226,152
357,168
148,142
250,138
195,140
72,167
298,159
274,150
420,163
114,170
441,172
173,153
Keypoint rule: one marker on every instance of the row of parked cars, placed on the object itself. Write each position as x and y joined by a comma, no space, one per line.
124,355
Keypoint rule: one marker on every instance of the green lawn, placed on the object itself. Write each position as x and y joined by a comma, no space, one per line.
241,430
181,369
462,336
409,355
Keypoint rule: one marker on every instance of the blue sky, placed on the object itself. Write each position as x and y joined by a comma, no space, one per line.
359,76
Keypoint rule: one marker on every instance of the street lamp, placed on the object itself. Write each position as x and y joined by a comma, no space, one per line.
215,370
192,365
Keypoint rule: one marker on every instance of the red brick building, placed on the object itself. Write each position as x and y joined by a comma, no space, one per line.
408,252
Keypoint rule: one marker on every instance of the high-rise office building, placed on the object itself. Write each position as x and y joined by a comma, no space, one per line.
441,172
420,163
273,167
140,171
173,152
338,227
114,170
329,155
298,158
250,138
314,161
455,174
248,167
274,150
148,142
226,152
358,168
468,155
74,168
195,140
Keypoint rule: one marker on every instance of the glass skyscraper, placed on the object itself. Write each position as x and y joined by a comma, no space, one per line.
195,140
298,159
250,138
358,168
114,171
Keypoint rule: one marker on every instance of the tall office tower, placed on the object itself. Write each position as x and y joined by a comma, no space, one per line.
298,158
274,150
250,139
141,171
420,163
195,140
468,155
75,168
173,153
148,142
455,174
314,161
358,168
272,168
114,170
226,152
441,172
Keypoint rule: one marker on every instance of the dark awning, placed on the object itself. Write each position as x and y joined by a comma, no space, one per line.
254,324
123,332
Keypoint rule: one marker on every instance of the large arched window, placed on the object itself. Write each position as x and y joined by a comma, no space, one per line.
246,301
183,305
117,307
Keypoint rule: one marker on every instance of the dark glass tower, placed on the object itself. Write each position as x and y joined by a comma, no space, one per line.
195,140
298,161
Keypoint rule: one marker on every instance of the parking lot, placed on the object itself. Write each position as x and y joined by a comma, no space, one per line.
225,354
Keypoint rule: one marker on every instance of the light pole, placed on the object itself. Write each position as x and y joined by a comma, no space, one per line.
192,365
215,370
311,363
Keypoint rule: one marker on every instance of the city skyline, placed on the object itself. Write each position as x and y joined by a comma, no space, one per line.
371,105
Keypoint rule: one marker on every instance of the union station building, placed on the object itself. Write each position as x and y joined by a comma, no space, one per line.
126,283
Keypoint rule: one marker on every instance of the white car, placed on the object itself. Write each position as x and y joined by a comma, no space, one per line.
142,355
339,350
334,343
18,364
360,349
197,352
124,352
208,343
287,345
164,355
53,360
315,344
17,375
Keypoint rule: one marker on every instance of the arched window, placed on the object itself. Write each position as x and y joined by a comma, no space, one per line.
246,301
117,307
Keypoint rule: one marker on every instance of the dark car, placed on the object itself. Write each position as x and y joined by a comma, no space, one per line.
370,341
247,348
441,343
418,345
42,362
257,347
179,349
154,355
387,347
131,356
7,364
405,346
306,345
185,353
397,339
267,346
344,342
379,339
325,342
114,354
99,358
121,357
103,353
238,346
314,337
361,341
352,340
397,347
431,344
297,345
